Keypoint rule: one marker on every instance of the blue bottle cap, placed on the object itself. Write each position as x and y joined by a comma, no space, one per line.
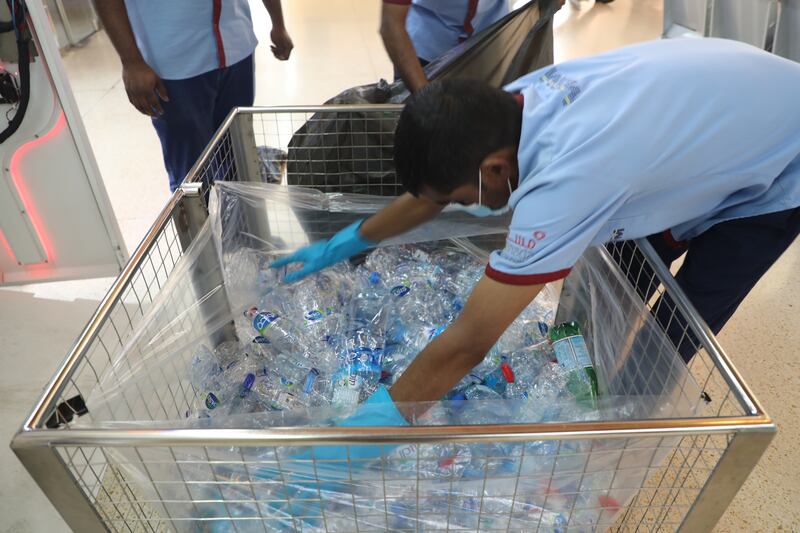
374,278
248,382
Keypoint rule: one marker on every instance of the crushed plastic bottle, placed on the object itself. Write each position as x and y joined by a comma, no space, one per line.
499,379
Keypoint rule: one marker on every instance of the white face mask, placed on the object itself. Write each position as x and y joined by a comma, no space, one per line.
480,210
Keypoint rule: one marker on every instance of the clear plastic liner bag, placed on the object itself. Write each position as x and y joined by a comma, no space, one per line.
422,487
226,344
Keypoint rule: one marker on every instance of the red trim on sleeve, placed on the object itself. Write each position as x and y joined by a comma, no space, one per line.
472,8
398,2
526,279
218,34
671,242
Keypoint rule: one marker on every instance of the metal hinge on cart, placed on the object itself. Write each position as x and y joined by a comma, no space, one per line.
66,411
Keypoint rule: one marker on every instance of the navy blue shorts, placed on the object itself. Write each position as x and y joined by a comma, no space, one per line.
721,266
196,108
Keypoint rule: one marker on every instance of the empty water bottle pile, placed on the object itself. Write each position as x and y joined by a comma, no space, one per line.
333,338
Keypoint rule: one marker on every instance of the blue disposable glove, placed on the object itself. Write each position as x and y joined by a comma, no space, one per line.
322,254
326,473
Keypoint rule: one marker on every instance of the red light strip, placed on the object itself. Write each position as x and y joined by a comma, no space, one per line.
22,189
7,246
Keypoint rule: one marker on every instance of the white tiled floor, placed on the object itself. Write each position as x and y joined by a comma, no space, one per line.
338,46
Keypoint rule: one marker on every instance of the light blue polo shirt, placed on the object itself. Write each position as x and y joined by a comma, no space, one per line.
436,26
669,134
181,39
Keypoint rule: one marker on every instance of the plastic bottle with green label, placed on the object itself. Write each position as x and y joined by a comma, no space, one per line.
572,354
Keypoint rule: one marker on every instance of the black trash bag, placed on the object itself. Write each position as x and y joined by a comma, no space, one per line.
350,151
353,151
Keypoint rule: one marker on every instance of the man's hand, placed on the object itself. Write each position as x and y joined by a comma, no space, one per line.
322,254
326,472
281,43
145,89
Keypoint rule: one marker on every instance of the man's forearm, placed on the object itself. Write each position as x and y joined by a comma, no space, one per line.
490,309
436,370
400,48
275,11
118,27
404,213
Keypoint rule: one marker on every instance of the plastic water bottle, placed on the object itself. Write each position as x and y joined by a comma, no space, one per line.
396,359
228,352
204,367
370,299
277,332
284,382
314,301
274,328
499,379
572,353
347,386
481,392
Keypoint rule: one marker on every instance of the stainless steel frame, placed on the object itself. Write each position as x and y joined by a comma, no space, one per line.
712,456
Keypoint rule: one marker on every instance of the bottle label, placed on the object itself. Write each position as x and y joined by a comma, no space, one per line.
434,332
211,401
543,329
308,386
260,339
282,400
363,359
572,353
400,290
406,451
315,315
262,320
346,389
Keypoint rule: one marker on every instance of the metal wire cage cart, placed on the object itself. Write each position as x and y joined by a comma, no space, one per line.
693,465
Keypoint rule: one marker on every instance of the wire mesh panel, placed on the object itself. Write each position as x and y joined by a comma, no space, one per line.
347,150
540,477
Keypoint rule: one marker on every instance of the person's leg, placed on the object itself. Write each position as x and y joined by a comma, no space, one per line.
186,125
722,265
233,87
236,88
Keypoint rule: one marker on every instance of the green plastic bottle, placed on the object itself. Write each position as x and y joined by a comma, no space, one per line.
572,354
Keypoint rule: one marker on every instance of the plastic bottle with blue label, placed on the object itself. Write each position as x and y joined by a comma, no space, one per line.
314,304
280,335
288,387
304,380
371,297
204,367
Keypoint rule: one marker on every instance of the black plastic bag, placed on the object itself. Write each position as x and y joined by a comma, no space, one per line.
353,151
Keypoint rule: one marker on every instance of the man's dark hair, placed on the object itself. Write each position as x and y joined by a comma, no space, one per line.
448,128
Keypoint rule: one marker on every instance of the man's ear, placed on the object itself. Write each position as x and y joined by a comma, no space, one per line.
498,167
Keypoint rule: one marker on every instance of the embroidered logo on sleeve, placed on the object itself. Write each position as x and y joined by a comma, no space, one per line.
526,240
521,245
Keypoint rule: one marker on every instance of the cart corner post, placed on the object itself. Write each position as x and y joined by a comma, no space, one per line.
55,480
737,462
